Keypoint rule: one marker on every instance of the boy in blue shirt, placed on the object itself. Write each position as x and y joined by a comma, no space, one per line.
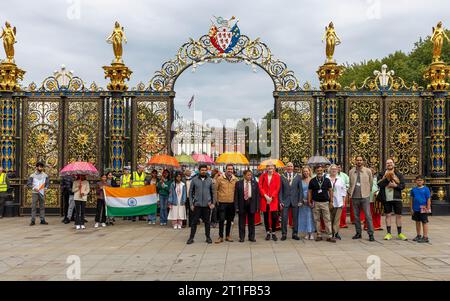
420,208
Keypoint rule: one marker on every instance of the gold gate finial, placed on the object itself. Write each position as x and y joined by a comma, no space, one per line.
117,72
438,41
116,38
9,72
331,40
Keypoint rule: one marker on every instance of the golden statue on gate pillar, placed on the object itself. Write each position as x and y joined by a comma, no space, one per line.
438,41
331,40
116,38
9,39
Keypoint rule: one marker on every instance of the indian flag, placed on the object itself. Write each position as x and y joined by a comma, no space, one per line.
130,201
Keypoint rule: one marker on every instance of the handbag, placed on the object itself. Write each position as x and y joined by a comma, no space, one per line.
378,205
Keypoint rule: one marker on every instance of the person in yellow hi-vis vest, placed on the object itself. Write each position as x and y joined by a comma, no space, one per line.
4,186
138,180
125,181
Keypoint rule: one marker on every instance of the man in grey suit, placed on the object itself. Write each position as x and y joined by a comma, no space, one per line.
291,196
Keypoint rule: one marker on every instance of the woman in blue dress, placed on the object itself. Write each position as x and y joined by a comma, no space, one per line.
305,215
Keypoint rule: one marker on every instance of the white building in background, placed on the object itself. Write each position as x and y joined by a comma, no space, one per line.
191,137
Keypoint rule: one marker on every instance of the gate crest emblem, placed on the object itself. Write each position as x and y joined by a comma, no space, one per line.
224,34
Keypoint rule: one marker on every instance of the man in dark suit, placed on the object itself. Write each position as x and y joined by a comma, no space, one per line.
291,195
246,201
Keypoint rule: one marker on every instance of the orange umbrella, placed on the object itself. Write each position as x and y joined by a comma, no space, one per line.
232,158
163,160
276,162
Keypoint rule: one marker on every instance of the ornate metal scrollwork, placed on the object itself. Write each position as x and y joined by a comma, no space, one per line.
152,122
42,143
403,134
296,124
363,129
194,53
384,80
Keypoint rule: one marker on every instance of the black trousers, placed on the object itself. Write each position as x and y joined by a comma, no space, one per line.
3,198
205,214
79,217
65,202
226,213
243,216
214,216
189,212
274,216
100,213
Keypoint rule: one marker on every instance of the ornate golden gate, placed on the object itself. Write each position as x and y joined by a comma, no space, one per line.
63,119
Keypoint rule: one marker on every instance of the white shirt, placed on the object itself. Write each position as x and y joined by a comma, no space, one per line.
339,191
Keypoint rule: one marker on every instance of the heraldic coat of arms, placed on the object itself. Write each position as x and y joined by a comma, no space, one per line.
224,34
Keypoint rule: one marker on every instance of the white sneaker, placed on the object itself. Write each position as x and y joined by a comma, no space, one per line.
77,227
103,225
175,226
83,227
96,225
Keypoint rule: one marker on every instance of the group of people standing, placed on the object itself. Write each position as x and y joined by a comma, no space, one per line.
313,203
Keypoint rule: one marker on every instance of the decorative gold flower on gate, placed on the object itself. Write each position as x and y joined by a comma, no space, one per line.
33,117
413,116
285,116
295,138
53,117
72,118
82,139
41,139
413,160
355,117
403,138
394,117
374,117
364,138
141,117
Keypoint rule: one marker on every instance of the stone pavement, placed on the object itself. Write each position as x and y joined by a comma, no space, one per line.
137,251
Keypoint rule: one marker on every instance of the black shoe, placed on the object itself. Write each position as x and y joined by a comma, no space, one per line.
423,240
283,237
295,237
32,223
417,238
190,241
357,236
43,222
268,236
66,221
371,238
252,239
209,240
241,240
85,220
337,236
274,237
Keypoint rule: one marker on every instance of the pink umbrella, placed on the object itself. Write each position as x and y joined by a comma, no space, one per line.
202,158
79,168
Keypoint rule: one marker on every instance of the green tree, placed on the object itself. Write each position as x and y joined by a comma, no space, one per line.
409,66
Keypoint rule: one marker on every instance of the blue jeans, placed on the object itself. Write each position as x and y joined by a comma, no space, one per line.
152,218
163,204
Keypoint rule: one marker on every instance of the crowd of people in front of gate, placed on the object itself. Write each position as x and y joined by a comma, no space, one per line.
313,203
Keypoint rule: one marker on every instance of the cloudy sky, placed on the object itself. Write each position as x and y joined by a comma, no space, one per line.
73,32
